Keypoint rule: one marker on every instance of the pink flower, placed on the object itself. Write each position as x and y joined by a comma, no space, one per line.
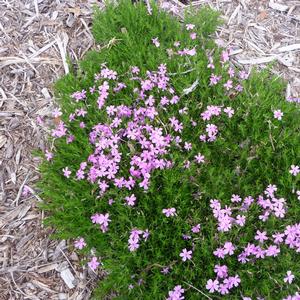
229,248
278,114
176,44
49,155
93,264
80,243
56,112
169,212
67,172
289,278
135,70
228,85
229,111
196,228
102,219
26,191
240,220
261,236
111,201
235,198
221,271
193,35
186,255
156,42
272,251
295,170
224,56
131,200
212,285
176,293
199,158
189,26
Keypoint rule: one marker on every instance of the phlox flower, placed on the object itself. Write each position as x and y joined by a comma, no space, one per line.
26,191
49,155
93,264
176,293
239,88
130,200
186,254
187,146
199,158
235,198
79,95
214,79
228,85
193,35
176,44
228,248
80,243
278,114
243,75
189,26
224,56
39,120
278,237
80,112
72,117
211,129
240,220
70,139
219,252
272,250
66,172
102,219
212,285
56,112
231,72
165,270
223,288
221,271
135,70
196,228
202,138
298,194
261,236
229,111
289,277
295,170
169,212
156,42
60,130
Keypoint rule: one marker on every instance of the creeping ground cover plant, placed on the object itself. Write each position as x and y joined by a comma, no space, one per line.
171,170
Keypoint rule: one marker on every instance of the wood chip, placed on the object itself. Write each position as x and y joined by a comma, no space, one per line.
256,61
277,6
68,278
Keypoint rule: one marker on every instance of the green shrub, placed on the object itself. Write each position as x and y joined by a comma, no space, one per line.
129,131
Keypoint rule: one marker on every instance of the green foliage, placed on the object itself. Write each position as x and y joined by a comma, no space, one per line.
253,150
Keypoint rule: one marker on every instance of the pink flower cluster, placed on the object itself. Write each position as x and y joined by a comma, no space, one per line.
222,283
135,238
176,293
102,219
269,203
